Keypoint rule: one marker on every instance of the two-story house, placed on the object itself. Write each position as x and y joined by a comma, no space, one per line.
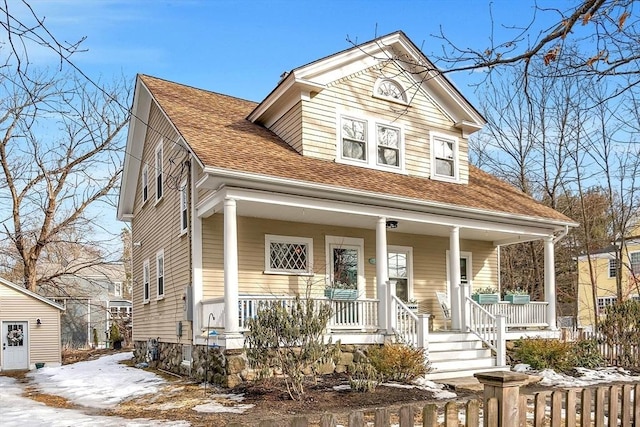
597,292
352,173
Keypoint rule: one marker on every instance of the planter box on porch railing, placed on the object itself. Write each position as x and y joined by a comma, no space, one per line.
517,299
336,293
486,298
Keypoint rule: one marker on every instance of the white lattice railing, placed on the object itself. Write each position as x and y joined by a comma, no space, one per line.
491,329
359,314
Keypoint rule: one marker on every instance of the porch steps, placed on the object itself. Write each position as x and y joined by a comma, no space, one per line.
455,355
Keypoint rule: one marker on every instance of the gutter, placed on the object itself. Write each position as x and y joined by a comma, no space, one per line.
561,235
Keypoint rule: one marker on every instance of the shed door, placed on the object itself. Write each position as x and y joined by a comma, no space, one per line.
15,349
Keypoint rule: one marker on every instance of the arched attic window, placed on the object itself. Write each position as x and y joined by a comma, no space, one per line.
391,90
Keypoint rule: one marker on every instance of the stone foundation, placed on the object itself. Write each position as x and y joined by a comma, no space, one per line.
227,368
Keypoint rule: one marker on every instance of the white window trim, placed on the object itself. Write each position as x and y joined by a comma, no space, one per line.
371,143
146,281
456,157
117,289
183,201
630,263
159,256
159,170
145,183
269,238
404,101
408,251
345,242
469,257
606,301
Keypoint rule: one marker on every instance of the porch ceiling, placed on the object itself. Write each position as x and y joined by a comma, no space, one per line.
365,221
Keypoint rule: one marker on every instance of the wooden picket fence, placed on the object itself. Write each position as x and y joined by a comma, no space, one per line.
607,406
621,353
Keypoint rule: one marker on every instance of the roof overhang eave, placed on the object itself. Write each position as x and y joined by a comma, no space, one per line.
292,186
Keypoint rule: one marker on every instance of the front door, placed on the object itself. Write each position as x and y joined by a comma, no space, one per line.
15,349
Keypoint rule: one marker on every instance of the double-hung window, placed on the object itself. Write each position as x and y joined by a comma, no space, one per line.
159,158
370,143
145,183
444,157
288,255
603,302
613,267
145,280
634,260
160,273
184,219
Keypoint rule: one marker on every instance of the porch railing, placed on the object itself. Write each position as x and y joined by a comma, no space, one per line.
530,315
491,329
359,314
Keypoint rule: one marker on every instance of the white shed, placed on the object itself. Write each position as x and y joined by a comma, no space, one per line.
30,329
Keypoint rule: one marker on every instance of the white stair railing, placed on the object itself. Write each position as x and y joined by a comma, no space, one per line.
489,328
409,327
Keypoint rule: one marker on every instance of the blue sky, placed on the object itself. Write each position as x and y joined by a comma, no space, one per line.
241,48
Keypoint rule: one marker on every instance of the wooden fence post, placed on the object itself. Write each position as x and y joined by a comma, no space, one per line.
327,420
406,416
430,415
505,387
381,418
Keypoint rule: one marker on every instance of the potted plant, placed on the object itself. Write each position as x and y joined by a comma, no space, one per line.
412,304
486,295
517,296
341,290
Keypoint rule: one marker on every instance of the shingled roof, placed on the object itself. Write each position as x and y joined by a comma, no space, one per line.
216,129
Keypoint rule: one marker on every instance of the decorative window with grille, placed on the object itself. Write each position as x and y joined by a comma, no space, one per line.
613,267
288,255
444,157
390,90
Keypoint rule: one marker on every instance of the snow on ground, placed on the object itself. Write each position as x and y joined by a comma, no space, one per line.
19,411
100,383
585,377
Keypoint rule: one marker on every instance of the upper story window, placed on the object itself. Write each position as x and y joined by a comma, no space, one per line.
117,289
444,157
382,151
159,158
145,183
289,255
613,267
390,89
184,219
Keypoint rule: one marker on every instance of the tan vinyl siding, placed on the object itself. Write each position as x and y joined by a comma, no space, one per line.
156,226
429,259
44,340
289,127
354,95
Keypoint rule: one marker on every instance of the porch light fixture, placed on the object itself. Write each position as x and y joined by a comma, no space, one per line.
391,225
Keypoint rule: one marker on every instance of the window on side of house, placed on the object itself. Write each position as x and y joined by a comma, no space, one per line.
117,289
184,219
444,157
634,261
159,165
288,254
603,302
345,258
390,90
145,183
388,143
145,280
613,267
399,266
160,273
354,139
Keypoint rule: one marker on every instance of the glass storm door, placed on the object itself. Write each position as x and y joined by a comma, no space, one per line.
15,351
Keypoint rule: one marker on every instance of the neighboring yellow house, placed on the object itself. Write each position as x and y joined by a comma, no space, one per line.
352,174
605,268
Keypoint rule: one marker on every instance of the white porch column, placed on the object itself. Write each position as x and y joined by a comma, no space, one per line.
382,271
550,281
231,327
454,278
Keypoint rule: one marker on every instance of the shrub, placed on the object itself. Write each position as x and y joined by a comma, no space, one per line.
363,377
398,362
542,353
289,337
621,330
587,354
